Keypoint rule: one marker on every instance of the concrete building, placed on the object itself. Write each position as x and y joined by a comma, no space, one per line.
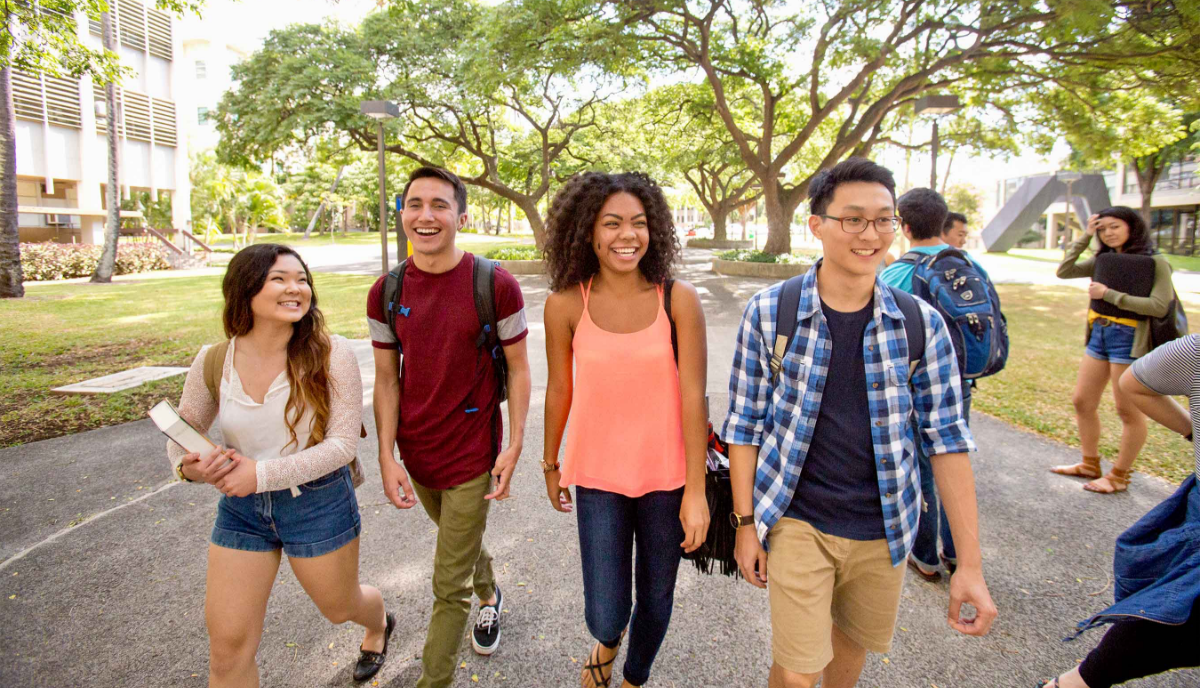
1173,222
204,77
62,154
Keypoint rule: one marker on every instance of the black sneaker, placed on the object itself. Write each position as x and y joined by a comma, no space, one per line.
485,637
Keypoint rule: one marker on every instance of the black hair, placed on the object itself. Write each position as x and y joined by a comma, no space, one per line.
570,258
820,191
460,189
951,218
924,212
1139,236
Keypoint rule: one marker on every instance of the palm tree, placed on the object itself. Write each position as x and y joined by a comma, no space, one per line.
262,206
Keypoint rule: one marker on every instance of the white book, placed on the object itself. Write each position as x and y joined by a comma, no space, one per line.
179,430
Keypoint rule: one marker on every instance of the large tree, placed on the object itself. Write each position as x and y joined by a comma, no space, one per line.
41,36
490,91
855,62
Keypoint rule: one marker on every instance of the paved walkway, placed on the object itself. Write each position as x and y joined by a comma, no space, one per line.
102,563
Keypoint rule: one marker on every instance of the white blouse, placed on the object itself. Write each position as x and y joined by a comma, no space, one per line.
259,431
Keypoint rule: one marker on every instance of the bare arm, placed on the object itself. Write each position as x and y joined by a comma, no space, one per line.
956,486
749,552
519,383
688,315
1162,409
386,399
559,391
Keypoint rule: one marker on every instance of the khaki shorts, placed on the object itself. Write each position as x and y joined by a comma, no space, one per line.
817,580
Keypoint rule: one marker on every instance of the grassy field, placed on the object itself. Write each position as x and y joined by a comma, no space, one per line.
65,333
468,242
1034,391
1189,263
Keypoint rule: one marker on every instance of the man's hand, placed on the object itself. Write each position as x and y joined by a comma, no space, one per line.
560,497
395,483
693,514
751,557
242,481
967,586
506,463
210,468
1096,290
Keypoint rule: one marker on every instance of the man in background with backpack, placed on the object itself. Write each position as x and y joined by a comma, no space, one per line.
927,221
448,331
828,369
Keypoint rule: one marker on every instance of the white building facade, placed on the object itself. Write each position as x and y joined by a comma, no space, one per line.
62,152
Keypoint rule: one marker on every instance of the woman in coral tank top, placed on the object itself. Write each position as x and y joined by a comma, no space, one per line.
636,448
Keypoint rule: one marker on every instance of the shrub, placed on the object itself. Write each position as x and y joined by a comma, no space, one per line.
748,256
50,261
515,253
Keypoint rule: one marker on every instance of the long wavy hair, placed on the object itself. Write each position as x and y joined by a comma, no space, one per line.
308,349
570,258
1139,235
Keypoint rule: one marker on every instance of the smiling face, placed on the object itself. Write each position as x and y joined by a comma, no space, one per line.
1113,232
621,234
855,254
286,296
431,217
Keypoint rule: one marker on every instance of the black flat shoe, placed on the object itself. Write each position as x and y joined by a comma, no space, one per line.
369,663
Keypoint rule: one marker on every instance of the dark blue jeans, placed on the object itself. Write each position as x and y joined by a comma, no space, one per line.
933,518
610,525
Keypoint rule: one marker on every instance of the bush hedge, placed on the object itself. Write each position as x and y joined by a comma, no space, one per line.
50,261
515,253
745,256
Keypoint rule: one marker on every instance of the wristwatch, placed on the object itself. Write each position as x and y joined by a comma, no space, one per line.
739,521
549,468
180,475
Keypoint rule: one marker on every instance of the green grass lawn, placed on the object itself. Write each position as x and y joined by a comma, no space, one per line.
65,333
1190,263
466,241
1046,328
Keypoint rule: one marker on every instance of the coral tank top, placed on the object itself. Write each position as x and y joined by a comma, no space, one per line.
626,425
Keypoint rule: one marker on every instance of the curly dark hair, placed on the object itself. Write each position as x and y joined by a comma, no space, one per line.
570,258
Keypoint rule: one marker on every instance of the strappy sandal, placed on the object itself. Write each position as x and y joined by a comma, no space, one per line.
1116,477
594,668
1088,468
1047,683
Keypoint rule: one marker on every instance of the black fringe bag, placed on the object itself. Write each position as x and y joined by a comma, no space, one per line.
717,550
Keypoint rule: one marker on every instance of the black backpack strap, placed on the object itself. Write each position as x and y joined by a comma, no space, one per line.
914,326
392,287
911,258
670,318
785,321
483,276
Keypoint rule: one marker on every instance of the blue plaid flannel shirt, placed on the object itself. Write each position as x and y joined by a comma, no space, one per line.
779,418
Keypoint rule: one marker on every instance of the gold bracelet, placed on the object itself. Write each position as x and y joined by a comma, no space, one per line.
549,468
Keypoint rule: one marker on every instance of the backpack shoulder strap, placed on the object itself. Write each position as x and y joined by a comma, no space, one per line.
214,365
392,287
785,321
484,276
914,326
670,318
911,258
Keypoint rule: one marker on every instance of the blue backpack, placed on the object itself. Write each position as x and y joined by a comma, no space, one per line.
967,300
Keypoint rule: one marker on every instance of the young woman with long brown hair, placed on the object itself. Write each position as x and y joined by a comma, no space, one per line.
289,399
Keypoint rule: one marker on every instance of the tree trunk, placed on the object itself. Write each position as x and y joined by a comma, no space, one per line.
11,277
720,218
112,224
1147,179
779,217
529,206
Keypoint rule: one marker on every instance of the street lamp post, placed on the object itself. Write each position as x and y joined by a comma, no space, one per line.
935,105
1069,178
380,110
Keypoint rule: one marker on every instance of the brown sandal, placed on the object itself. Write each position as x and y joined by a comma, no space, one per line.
1088,468
594,668
1116,477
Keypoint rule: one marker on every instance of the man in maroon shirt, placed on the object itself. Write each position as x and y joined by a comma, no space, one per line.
437,403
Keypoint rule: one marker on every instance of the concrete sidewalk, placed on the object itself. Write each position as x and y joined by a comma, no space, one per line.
102,568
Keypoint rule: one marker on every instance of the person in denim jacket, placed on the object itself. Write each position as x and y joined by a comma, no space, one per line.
1156,615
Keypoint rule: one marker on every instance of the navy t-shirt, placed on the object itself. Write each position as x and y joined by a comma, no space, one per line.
838,492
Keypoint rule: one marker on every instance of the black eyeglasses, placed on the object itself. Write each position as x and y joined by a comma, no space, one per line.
858,225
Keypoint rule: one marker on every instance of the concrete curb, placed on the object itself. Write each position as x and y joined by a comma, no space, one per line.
737,268
721,245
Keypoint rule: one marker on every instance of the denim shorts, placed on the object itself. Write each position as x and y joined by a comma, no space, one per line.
1110,341
322,519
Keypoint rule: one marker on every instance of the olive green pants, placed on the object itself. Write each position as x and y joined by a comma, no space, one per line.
460,563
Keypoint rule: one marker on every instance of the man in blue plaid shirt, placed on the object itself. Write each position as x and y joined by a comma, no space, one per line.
822,455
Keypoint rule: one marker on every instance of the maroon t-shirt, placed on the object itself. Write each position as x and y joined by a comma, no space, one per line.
447,387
